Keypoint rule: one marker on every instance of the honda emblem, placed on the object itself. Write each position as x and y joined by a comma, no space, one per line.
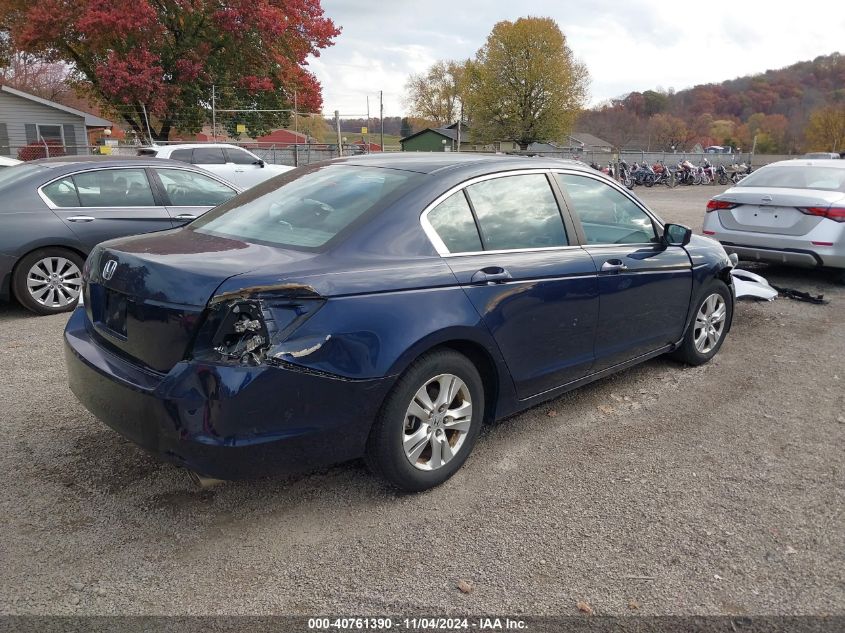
108,269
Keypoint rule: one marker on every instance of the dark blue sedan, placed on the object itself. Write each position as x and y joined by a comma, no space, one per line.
384,306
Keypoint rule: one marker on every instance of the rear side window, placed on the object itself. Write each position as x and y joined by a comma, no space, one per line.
240,157
453,221
188,189
62,193
517,212
182,154
114,188
309,209
209,156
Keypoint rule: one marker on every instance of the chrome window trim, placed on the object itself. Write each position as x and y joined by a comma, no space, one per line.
441,247
54,207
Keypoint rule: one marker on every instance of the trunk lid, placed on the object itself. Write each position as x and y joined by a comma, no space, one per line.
146,294
773,210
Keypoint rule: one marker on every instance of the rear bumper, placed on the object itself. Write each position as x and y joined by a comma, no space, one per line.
224,422
824,246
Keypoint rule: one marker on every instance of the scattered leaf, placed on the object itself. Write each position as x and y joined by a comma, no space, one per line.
633,604
584,607
465,586
606,409
552,413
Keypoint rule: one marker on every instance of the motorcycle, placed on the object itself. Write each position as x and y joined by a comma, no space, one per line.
625,174
722,175
738,172
708,172
644,175
662,175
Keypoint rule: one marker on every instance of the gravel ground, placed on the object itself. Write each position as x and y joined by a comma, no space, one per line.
713,490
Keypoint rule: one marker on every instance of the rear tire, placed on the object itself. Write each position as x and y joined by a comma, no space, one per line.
415,443
706,333
49,280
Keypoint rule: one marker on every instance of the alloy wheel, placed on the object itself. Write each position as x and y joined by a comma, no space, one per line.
709,323
437,422
54,282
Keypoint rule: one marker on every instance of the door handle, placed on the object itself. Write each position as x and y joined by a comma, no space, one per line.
490,275
613,266
80,218
184,217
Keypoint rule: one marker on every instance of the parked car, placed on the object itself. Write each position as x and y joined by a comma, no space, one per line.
5,161
789,212
385,306
822,155
54,211
231,162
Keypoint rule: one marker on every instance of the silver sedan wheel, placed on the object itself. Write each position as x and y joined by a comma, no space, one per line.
437,422
709,323
54,282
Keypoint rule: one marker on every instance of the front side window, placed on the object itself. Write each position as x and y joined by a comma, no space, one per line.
189,189
517,212
240,157
114,188
209,156
608,216
62,193
309,209
452,220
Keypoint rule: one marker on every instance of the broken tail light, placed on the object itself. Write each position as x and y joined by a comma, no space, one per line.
243,330
715,205
837,214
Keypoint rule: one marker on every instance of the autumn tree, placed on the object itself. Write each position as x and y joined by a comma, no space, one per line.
156,60
826,129
524,84
28,73
612,122
669,132
436,94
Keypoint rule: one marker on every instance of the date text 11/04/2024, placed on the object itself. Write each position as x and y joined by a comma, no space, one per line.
414,624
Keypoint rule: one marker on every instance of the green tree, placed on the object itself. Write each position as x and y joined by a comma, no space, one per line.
524,84
436,93
826,129
160,58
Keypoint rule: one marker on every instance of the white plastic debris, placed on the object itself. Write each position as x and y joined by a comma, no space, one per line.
747,284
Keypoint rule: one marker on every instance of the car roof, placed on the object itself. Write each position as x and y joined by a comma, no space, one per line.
809,162
60,162
192,146
434,162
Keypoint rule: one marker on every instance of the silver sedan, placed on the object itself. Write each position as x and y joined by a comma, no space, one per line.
790,212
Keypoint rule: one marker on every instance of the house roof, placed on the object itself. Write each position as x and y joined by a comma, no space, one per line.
445,132
90,119
588,140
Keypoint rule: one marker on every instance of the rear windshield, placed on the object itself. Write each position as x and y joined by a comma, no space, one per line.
16,173
306,210
797,177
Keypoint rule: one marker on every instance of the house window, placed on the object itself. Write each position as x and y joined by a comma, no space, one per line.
50,133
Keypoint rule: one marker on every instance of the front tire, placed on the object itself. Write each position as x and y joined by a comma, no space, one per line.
428,423
49,280
711,320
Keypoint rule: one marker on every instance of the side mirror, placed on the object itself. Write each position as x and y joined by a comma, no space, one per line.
676,235
259,162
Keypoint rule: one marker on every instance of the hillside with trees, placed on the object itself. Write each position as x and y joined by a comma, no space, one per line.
776,106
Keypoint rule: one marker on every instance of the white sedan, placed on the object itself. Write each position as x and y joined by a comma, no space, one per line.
8,162
233,163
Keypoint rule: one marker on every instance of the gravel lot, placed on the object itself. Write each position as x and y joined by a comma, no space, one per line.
714,490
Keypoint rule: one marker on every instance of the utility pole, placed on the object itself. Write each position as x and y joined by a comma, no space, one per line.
147,120
337,127
367,140
460,118
381,115
213,113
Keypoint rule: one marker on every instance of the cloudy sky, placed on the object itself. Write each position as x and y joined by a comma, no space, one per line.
626,44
